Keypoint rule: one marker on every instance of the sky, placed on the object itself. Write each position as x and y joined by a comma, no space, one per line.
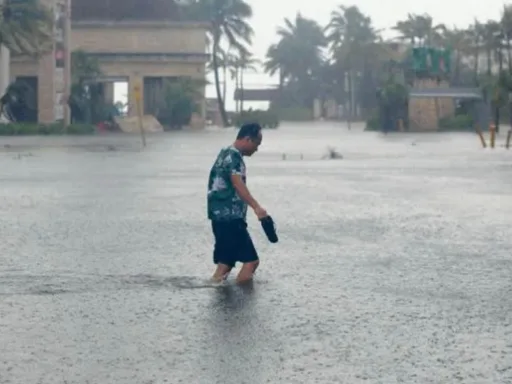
268,15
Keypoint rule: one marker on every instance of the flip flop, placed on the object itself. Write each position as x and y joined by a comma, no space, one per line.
268,225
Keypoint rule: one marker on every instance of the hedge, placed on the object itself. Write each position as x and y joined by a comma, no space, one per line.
295,114
267,119
32,129
456,123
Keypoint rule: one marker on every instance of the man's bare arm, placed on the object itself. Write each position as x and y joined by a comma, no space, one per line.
243,191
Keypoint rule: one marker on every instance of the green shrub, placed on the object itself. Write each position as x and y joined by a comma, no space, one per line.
47,129
267,119
32,129
177,102
373,124
456,123
295,114
81,129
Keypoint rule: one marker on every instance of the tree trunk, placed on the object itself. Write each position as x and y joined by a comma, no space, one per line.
477,57
353,99
279,101
489,62
222,108
224,81
456,72
237,86
509,56
509,60
241,89
350,101
497,118
498,106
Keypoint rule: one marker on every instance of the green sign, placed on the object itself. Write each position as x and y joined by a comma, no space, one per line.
431,60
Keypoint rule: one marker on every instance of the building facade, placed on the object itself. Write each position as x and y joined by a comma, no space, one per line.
137,46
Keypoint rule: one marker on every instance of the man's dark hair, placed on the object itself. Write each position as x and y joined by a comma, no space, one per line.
250,130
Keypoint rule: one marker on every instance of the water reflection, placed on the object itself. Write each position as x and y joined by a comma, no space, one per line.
232,298
235,325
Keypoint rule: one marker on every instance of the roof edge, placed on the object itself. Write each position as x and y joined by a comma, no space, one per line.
138,24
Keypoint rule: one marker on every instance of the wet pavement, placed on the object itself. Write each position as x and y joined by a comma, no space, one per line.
394,264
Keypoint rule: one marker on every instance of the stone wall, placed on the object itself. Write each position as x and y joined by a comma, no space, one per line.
424,113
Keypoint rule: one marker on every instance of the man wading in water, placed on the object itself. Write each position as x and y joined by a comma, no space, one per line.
228,198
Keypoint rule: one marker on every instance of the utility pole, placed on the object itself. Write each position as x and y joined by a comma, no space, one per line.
348,91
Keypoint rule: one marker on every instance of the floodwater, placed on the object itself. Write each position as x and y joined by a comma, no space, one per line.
394,264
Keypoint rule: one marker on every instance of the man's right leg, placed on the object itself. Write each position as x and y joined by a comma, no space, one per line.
247,271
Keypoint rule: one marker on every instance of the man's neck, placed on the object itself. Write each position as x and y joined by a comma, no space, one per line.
236,145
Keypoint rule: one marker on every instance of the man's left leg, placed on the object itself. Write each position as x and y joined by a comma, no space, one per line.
248,256
223,250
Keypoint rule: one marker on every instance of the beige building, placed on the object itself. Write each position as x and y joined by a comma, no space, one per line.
140,52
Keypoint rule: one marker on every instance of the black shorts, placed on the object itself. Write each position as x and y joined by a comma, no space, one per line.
232,243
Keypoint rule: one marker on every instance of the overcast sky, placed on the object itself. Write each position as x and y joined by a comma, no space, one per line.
269,14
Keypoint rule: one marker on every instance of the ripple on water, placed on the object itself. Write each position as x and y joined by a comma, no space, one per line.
26,284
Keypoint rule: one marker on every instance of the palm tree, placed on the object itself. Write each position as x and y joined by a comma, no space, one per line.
493,40
298,57
226,60
475,37
245,61
84,99
279,61
305,39
421,30
506,23
355,48
458,42
25,29
493,43
83,67
228,22
407,30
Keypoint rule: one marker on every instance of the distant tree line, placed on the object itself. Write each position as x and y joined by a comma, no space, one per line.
348,60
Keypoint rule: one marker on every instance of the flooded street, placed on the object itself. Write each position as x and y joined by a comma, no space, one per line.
394,264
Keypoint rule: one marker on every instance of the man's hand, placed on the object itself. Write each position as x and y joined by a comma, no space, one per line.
260,212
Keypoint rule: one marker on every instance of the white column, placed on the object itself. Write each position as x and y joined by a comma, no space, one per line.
5,63
67,64
54,68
